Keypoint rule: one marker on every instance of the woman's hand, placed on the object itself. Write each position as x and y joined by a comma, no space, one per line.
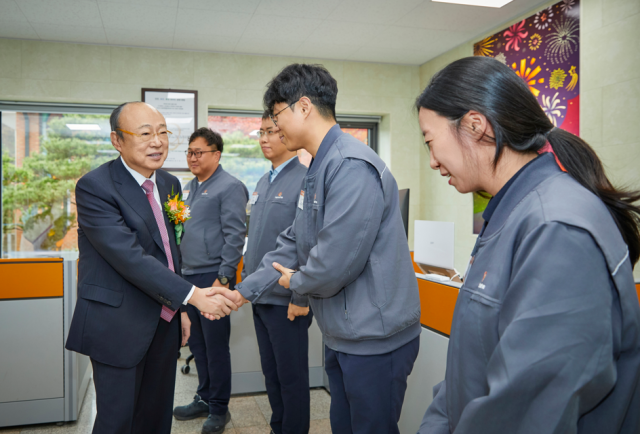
186,327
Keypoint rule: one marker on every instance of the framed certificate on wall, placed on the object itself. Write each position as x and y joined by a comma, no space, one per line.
180,110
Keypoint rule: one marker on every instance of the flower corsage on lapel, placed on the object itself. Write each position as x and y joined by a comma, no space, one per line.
178,213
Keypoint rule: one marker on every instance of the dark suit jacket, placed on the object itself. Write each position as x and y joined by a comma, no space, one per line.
123,278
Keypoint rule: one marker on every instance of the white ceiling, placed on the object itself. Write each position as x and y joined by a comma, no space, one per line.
388,31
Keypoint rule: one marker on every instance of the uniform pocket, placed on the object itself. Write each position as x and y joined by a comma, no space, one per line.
478,324
375,283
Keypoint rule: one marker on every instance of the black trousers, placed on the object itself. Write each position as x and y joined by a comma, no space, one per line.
139,400
209,344
284,355
367,392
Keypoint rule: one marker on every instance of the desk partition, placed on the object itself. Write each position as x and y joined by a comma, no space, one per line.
40,381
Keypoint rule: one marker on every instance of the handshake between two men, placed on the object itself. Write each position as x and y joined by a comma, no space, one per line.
217,302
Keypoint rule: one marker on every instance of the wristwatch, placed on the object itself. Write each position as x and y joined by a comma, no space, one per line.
223,280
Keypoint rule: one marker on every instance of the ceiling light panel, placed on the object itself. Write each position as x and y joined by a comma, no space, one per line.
483,3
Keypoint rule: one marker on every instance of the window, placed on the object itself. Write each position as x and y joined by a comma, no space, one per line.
242,156
44,152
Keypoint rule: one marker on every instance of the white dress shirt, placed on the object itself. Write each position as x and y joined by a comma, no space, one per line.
140,179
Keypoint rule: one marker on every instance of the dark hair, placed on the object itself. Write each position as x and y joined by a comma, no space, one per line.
298,80
114,119
210,136
489,87
265,114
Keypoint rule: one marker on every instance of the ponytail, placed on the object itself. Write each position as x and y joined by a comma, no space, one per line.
489,87
582,163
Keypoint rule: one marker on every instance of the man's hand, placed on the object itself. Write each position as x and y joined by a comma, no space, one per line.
217,283
214,305
234,296
186,327
286,275
295,311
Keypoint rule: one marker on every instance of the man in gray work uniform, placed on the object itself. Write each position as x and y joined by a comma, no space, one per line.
350,252
211,250
281,327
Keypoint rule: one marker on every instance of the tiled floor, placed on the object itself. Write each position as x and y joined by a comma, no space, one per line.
249,413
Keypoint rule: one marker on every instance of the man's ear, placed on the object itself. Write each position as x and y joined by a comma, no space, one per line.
305,105
116,141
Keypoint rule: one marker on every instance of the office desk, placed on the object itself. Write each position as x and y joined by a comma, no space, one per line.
437,302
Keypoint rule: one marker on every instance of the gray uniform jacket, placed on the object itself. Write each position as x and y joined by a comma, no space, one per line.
273,212
349,246
214,236
546,329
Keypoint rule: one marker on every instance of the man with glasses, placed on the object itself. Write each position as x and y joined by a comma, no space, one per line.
347,250
129,284
281,326
211,250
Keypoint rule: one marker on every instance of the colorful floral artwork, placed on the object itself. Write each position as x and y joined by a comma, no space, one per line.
484,47
557,79
514,36
542,19
543,50
535,41
562,41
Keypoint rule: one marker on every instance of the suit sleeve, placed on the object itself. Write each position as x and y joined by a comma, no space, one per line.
554,360
233,216
102,223
354,204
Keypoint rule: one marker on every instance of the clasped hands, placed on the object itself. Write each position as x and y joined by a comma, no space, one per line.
217,301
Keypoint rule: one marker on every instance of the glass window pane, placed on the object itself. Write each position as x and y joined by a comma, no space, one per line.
43,156
242,156
361,134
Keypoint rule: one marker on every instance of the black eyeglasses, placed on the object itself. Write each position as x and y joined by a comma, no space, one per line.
274,117
198,154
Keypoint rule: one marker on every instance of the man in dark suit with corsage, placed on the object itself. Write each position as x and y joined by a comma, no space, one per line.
129,280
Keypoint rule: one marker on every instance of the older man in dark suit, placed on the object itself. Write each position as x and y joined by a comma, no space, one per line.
129,282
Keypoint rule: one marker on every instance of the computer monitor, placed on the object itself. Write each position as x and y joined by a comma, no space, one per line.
433,245
404,209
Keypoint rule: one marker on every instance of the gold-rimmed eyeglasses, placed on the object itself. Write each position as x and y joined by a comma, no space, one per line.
163,136
274,117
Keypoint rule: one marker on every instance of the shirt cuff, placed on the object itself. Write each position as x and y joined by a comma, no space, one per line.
186,300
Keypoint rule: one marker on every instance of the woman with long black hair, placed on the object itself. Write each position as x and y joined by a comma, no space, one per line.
546,330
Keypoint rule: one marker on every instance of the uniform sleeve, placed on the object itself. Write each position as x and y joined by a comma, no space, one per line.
233,216
102,223
354,204
265,276
554,360
435,420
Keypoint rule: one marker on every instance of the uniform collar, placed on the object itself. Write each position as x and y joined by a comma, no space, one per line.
273,173
332,135
522,183
218,171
